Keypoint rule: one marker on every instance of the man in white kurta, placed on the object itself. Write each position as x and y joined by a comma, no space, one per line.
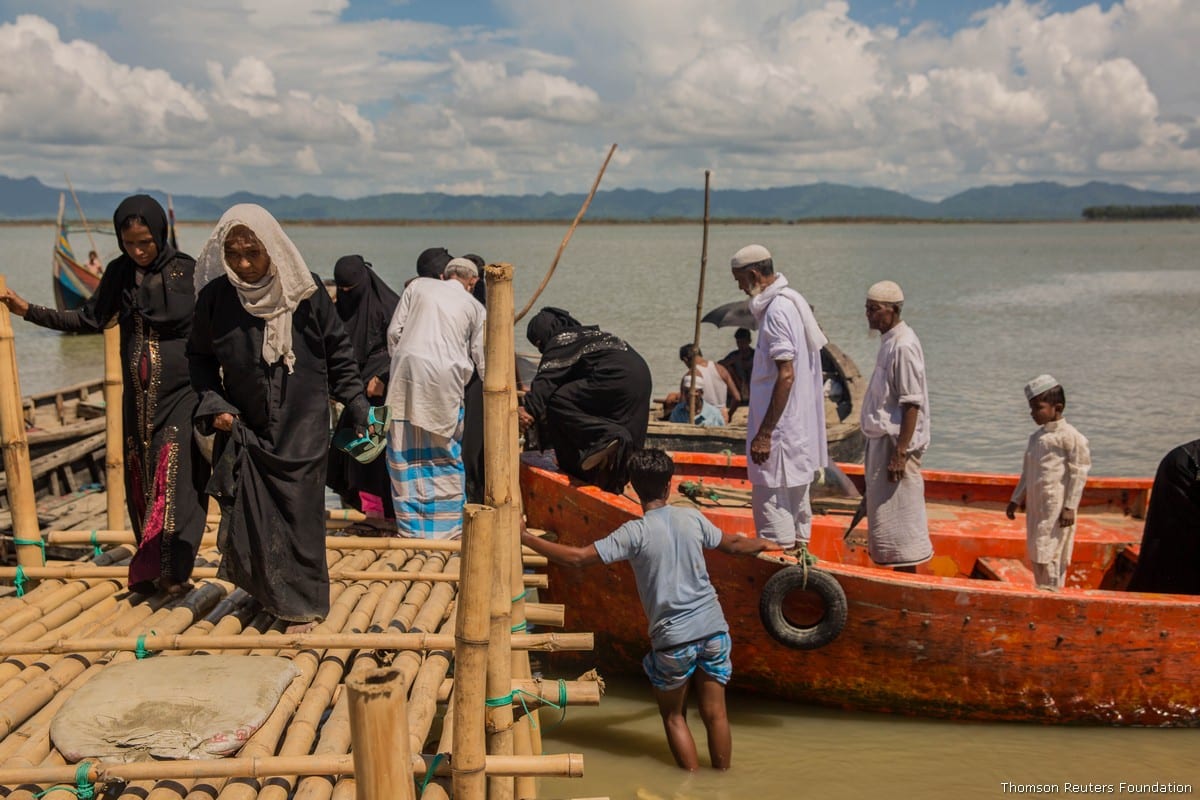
435,340
895,422
786,425
1055,469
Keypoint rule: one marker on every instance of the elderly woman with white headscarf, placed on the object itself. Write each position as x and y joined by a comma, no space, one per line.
267,349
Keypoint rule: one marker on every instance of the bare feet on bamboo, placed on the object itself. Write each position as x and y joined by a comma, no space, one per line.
300,627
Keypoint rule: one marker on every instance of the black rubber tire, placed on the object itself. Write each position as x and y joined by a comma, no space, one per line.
783,583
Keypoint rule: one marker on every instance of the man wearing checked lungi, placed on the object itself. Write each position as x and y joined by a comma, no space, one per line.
435,340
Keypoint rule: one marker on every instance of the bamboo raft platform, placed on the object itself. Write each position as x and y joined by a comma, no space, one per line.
417,683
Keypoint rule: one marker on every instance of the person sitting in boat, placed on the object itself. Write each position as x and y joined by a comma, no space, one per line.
706,412
590,398
689,637
1053,473
365,304
740,363
94,265
148,293
267,350
1169,560
720,389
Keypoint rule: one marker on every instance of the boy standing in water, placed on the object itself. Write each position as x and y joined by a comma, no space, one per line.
689,636
1056,465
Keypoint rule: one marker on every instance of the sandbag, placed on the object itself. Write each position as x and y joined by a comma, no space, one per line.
194,707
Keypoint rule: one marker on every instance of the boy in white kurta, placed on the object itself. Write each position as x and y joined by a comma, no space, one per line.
1056,465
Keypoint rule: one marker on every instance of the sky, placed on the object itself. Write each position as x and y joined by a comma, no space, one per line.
358,97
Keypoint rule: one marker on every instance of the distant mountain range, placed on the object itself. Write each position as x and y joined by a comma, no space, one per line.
30,199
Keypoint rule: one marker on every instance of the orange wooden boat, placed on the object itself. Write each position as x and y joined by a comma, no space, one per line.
969,637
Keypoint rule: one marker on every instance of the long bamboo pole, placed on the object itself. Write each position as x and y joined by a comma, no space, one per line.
498,462
82,217
26,531
550,642
114,451
470,654
561,765
699,303
379,732
570,232
80,570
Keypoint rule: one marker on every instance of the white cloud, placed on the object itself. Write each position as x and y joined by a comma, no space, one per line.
279,96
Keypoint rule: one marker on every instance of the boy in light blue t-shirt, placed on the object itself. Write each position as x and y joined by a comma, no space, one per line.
687,627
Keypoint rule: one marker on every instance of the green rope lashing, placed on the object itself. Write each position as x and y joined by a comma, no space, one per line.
39,543
521,596
519,696
84,789
520,627
19,581
433,765
140,651
96,551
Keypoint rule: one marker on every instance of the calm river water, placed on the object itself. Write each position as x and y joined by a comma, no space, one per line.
1109,309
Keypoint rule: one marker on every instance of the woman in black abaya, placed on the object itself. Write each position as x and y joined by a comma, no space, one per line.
365,305
1170,555
148,292
590,399
267,351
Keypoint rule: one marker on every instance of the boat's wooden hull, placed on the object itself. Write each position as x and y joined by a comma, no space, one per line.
939,643
73,282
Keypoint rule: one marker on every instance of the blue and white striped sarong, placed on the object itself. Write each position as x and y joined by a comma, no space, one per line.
428,481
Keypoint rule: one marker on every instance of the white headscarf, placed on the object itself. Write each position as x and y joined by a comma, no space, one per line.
812,331
275,297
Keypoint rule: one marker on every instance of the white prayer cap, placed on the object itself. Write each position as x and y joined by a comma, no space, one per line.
1042,383
750,254
687,382
461,265
886,292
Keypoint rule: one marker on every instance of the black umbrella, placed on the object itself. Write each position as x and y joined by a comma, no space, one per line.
732,315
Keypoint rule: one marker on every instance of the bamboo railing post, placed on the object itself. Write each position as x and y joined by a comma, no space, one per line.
498,459
379,736
470,654
699,304
114,451
26,531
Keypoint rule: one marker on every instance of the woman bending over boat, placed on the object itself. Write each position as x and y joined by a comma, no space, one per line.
148,292
590,398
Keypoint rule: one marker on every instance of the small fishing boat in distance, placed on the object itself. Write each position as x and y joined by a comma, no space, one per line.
969,637
73,282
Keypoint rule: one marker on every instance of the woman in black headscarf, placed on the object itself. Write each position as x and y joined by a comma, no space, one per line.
590,399
365,305
149,292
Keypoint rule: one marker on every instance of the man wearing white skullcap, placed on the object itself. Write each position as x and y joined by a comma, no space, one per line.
706,412
786,423
895,422
1056,465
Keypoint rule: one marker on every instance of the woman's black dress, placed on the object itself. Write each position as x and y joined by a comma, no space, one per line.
165,472
591,388
269,472
365,305
1169,560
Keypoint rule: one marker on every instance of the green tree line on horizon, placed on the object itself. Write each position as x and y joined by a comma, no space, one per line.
1176,211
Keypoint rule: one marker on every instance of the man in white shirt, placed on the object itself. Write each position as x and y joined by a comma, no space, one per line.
435,340
786,425
895,422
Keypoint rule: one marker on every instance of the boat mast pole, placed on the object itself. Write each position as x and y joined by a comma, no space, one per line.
86,228
699,302
567,238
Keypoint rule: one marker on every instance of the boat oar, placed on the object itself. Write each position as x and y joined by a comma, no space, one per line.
859,513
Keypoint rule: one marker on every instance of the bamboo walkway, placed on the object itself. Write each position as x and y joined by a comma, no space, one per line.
417,684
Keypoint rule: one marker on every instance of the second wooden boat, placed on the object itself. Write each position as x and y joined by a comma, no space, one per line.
969,637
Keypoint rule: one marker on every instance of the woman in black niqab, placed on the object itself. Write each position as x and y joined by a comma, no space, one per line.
590,398
148,292
365,304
